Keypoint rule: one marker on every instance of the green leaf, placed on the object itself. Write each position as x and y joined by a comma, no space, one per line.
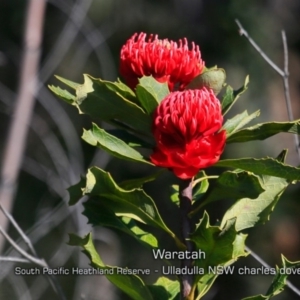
130,139
140,234
263,166
235,185
99,214
139,182
164,289
264,131
200,189
222,247
213,78
75,191
151,92
175,194
249,212
122,89
67,82
111,144
112,102
205,284
279,281
132,285
62,94
135,203
232,96
257,297
238,121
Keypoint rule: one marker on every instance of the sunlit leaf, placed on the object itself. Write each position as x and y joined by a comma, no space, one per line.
231,96
135,203
239,121
62,94
263,131
111,144
109,101
222,247
165,289
279,281
249,212
263,166
235,185
151,92
132,285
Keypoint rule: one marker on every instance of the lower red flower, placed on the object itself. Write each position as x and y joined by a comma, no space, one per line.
186,129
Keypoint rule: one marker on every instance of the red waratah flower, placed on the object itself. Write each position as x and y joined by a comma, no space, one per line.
185,128
165,60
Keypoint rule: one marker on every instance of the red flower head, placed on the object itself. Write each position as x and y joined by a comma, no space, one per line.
185,128
166,61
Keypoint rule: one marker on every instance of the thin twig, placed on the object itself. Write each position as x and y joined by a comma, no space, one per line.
287,95
263,263
35,260
15,259
242,31
20,231
283,73
39,262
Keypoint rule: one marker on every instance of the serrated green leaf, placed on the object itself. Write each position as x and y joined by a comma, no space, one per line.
76,191
283,272
234,185
62,94
213,78
263,131
142,235
111,144
165,289
222,247
151,92
263,166
238,121
248,212
205,284
132,285
232,96
98,214
123,89
104,100
112,102
279,281
67,82
135,203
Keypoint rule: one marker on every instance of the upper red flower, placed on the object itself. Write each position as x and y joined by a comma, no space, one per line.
185,128
167,61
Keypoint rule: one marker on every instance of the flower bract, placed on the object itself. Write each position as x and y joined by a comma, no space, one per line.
186,127
167,61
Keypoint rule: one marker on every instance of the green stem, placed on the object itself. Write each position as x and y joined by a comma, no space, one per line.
203,178
185,201
193,212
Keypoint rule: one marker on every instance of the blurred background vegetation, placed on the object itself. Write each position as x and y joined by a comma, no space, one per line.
86,37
